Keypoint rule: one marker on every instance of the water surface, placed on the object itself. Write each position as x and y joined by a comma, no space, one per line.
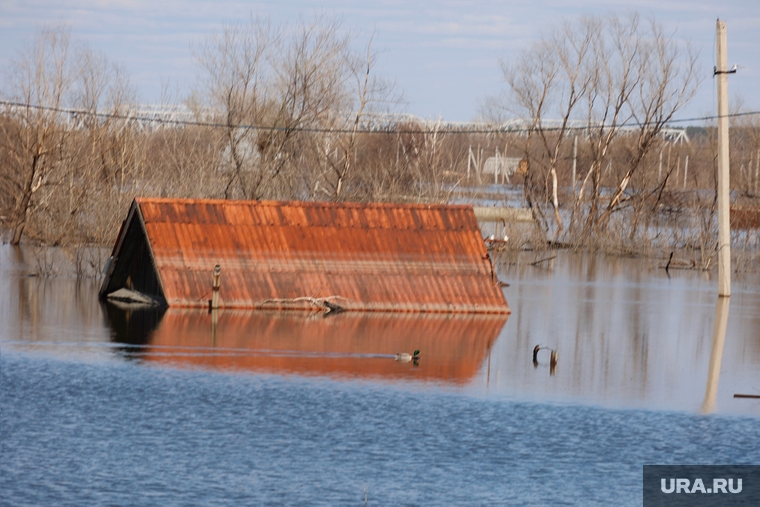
104,406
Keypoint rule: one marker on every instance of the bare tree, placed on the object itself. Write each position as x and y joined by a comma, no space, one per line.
41,81
237,75
293,99
363,92
103,150
56,141
610,73
312,95
547,82
665,81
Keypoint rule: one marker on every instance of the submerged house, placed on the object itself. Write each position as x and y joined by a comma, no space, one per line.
283,255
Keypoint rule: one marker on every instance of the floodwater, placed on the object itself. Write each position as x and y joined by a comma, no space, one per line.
101,405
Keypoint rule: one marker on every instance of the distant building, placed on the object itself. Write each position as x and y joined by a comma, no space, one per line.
505,167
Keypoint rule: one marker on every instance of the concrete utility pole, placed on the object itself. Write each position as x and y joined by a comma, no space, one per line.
724,223
716,355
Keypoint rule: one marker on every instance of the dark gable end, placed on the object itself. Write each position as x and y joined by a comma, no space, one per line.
132,266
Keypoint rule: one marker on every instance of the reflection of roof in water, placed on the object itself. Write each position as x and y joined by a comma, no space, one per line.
453,348
387,257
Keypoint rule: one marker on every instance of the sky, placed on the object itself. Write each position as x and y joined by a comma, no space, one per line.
443,55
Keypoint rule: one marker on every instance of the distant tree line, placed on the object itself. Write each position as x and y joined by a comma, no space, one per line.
288,104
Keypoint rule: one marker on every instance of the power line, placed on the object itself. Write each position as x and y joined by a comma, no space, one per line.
331,130
713,117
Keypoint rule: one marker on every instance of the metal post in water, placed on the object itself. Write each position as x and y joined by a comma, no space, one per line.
215,303
215,287
553,363
214,325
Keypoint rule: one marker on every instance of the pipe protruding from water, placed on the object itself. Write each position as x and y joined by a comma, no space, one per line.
553,362
553,358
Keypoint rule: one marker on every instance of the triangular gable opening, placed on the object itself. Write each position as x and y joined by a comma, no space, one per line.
132,276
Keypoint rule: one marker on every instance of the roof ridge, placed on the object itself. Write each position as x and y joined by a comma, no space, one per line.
294,203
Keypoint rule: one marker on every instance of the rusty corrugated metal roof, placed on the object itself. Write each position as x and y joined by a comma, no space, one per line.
453,348
386,257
